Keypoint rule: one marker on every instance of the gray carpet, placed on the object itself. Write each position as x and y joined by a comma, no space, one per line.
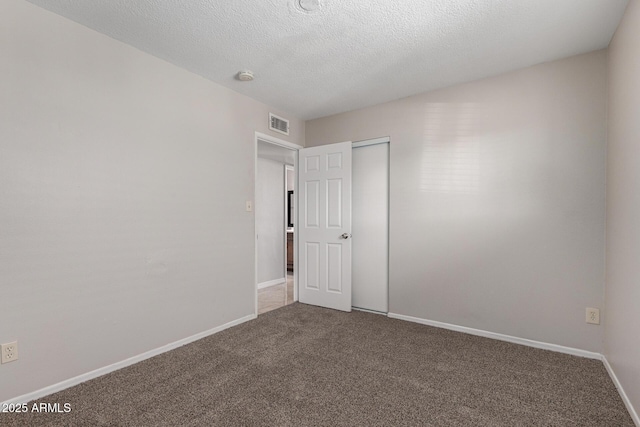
303,366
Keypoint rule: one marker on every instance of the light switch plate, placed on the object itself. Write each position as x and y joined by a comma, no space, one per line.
249,206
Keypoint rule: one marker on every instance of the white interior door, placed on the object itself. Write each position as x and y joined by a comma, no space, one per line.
324,226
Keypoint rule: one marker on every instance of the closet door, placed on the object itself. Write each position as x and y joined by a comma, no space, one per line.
370,278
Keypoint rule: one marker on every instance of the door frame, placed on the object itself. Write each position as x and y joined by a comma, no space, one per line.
289,146
286,223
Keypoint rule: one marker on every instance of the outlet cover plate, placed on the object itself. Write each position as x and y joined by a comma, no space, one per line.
593,316
9,352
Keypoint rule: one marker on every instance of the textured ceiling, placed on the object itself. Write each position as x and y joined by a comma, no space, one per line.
349,54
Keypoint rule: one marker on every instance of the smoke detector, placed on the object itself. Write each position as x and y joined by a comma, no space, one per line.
245,76
309,5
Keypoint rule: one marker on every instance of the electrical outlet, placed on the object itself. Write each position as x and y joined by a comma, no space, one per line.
9,352
593,315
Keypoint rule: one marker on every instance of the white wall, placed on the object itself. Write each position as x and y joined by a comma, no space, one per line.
123,182
270,198
497,199
622,317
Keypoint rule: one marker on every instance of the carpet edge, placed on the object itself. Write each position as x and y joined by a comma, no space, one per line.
62,385
501,337
621,392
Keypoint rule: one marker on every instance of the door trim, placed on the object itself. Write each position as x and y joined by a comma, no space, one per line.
374,141
259,136
286,223
276,141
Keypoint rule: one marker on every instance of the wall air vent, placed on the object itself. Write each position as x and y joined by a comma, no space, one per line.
278,124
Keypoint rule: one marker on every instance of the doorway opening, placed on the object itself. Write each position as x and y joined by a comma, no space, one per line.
275,213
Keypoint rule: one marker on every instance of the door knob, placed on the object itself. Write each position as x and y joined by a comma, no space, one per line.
346,235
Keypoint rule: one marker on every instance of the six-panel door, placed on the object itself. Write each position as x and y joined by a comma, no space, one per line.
324,226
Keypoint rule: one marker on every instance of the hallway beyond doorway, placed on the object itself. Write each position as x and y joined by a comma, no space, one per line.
276,296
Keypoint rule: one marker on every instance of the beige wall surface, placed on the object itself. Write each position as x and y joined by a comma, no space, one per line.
123,182
622,317
497,199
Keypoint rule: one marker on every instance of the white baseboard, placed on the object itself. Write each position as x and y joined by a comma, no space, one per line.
501,337
122,364
366,310
271,283
623,395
